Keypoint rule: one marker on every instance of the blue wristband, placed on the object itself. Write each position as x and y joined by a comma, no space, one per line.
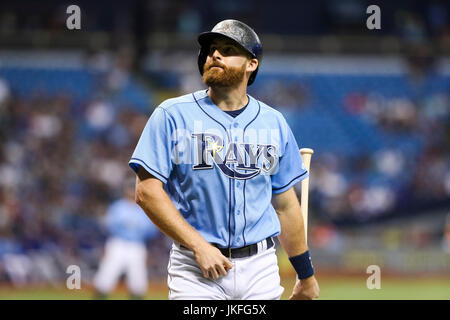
303,265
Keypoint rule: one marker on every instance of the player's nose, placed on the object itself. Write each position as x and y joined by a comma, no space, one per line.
215,54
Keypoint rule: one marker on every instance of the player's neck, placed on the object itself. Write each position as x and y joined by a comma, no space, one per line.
229,99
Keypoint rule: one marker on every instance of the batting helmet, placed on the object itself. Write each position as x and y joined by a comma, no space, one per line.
237,31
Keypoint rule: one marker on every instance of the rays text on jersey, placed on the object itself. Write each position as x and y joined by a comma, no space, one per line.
236,160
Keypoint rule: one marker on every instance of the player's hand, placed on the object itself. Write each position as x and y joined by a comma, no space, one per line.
212,262
306,289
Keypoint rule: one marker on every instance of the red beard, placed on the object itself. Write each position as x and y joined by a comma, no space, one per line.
223,76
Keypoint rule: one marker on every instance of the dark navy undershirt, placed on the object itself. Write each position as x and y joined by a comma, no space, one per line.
235,113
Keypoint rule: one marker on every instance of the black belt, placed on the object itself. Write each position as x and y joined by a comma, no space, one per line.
243,252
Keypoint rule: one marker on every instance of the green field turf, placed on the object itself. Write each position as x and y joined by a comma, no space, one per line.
354,288
336,288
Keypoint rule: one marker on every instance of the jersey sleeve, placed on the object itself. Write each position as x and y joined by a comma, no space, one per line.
153,150
290,165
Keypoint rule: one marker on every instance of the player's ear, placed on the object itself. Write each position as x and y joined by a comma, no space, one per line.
252,64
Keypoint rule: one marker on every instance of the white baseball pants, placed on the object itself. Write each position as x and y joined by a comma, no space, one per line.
120,257
251,278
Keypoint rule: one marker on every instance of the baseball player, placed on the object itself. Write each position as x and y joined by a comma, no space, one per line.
215,172
125,250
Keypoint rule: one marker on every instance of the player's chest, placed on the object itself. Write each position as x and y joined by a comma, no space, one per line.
235,151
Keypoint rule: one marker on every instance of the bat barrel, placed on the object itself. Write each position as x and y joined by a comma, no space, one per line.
306,154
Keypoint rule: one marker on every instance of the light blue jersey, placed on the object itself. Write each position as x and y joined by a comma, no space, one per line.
220,171
126,220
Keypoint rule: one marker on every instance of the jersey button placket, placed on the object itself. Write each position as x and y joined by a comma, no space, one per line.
239,217
235,132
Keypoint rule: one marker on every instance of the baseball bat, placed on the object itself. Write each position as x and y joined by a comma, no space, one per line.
306,154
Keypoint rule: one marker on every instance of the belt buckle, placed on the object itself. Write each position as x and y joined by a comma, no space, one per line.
229,252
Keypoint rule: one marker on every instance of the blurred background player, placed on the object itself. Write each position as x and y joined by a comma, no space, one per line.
125,250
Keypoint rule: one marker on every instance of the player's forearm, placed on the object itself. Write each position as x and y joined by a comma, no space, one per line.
157,205
292,236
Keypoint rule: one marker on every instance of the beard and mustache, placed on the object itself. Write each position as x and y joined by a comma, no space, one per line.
223,76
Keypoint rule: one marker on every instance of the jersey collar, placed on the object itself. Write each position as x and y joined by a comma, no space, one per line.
242,121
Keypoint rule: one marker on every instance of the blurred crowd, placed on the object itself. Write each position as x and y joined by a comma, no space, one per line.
410,173
62,162
392,178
